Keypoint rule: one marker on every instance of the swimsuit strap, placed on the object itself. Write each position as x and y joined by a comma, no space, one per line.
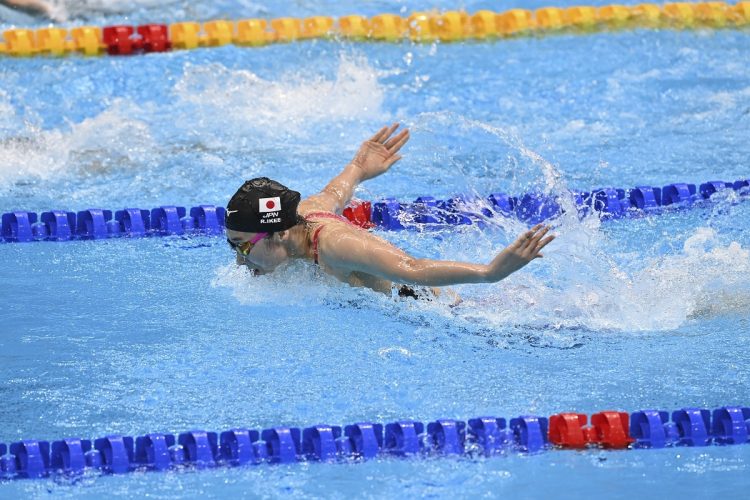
327,215
323,215
315,243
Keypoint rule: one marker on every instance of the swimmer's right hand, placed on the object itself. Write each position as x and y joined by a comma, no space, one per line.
526,248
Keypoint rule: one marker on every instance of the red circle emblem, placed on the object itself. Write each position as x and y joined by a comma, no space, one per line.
270,204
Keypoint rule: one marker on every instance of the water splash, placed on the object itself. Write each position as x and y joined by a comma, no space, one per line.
293,284
239,102
112,140
588,281
224,122
707,278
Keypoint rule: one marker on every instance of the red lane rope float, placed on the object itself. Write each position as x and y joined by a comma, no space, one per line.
609,429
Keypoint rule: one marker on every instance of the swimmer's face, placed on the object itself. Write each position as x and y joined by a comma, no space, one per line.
262,257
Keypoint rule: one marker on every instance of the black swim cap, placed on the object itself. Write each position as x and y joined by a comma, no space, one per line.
262,206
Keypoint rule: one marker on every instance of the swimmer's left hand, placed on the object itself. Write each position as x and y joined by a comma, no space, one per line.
380,152
519,253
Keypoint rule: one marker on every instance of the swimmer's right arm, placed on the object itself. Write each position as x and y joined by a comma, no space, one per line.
369,254
374,157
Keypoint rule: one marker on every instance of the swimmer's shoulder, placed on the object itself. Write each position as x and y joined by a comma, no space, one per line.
311,205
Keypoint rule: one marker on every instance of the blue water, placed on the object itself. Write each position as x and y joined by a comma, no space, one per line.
165,334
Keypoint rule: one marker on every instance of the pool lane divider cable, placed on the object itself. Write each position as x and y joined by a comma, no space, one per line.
477,437
608,203
427,27
425,213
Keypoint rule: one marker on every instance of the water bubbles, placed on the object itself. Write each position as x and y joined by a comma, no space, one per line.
394,353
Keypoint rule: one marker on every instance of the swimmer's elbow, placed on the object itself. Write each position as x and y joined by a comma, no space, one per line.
427,272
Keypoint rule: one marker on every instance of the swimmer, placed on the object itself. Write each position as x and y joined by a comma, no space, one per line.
33,7
267,225
65,10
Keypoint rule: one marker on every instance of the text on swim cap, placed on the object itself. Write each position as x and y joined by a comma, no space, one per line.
270,218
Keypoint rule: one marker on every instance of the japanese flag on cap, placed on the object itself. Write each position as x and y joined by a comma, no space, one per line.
269,204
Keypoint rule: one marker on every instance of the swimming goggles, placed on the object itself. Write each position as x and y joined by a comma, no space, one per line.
245,247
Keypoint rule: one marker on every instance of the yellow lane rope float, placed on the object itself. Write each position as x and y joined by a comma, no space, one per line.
449,26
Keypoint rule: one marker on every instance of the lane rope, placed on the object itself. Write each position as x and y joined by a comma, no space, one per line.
426,212
476,437
426,27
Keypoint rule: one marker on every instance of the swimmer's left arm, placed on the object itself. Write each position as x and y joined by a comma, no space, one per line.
364,252
375,156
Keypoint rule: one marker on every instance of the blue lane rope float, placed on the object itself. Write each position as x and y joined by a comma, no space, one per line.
483,436
95,224
389,214
608,203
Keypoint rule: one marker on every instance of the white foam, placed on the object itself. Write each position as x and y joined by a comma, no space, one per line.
111,140
239,102
591,292
291,284
714,106
8,118
217,107
584,285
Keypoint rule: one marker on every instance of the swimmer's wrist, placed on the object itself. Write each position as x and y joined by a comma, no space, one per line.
356,169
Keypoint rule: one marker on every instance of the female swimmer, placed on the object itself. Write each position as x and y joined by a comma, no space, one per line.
65,10
33,7
268,225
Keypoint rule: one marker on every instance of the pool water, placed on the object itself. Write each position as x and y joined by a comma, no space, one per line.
165,334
